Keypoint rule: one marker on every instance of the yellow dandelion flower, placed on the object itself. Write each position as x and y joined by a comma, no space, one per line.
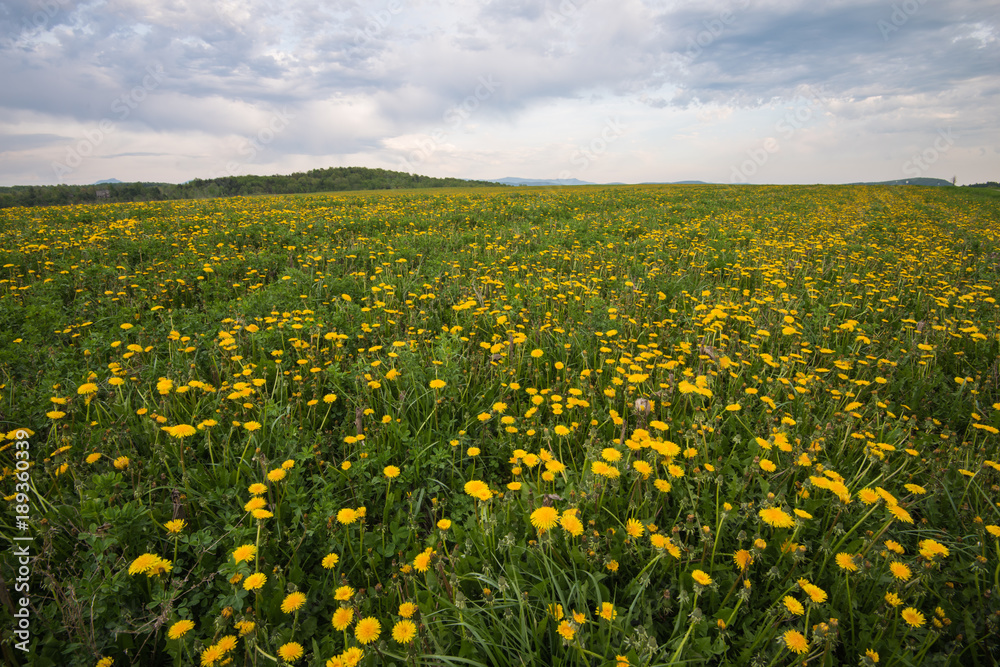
255,503
291,651
545,518
143,563
868,496
913,617
571,524
700,577
175,526
634,528
815,593
930,549
900,514
795,641
180,430
845,561
611,455
900,571
211,655
793,606
293,602
404,631
476,488
606,611
423,560
180,628
342,618
367,630
776,517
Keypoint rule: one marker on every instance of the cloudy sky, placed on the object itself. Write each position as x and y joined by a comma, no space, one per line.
759,91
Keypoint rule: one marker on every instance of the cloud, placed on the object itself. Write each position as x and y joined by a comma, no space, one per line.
360,78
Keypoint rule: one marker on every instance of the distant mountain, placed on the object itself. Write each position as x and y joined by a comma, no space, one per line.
911,181
108,180
511,180
675,183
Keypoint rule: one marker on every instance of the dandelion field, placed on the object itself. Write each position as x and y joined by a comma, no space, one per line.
591,426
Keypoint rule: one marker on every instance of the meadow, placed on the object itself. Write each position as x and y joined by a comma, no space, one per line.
751,425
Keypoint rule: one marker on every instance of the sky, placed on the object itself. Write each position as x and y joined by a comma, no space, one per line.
729,91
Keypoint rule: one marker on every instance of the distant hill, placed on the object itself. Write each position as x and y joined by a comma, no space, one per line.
334,179
911,181
676,183
511,180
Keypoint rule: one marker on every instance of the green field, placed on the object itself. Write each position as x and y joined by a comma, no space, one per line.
752,425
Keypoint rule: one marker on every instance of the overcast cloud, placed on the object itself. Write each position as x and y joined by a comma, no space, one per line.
760,91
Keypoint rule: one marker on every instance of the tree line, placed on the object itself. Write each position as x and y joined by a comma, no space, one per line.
334,179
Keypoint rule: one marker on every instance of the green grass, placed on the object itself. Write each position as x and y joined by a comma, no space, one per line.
663,363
